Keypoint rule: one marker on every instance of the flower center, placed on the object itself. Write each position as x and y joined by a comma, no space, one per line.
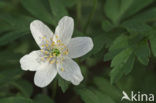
52,50
55,52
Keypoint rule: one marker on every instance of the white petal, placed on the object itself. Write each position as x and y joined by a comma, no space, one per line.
70,71
39,31
64,30
31,61
45,74
79,46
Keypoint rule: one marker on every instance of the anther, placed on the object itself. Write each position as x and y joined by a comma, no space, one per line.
51,62
62,69
56,36
42,59
43,37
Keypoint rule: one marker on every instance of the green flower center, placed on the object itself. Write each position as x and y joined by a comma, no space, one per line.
55,52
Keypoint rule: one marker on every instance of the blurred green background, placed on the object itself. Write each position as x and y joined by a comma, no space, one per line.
123,57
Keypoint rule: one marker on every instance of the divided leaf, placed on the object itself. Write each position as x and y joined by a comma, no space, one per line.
142,52
122,64
41,98
58,9
91,95
24,86
15,100
37,9
153,43
63,84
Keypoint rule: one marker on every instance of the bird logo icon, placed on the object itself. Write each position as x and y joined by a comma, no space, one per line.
125,96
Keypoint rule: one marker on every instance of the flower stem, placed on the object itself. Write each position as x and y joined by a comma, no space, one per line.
91,15
78,11
54,89
45,91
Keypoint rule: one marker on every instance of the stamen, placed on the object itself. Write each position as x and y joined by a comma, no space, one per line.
42,51
53,43
62,69
48,59
46,45
42,45
46,52
51,39
51,55
65,52
51,62
47,41
58,41
42,59
43,37
54,54
56,36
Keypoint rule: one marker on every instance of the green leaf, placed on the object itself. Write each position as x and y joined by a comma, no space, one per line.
98,43
115,9
122,65
107,26
58,8
119,43
137,24
144,17
17,26
17,22
103,97
41,98
121,58
153,43
3,4
134,27
91,95
11,36
24,86
110,55
69,3
142,52
116,73
63,84
9,56
122,69
37,9
136,6
129,65
8,75
15,100
104,86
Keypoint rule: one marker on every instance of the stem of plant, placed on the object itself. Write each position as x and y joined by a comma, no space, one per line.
45,91
91,15
54,89
78,11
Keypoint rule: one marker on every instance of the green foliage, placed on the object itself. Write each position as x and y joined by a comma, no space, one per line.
37,9
153,43
63,84
15,100
58,8
9,75
41,98
115,9
91,95
142,52
24,86
104,86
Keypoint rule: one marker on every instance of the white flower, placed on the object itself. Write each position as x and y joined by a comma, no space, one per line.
57,51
